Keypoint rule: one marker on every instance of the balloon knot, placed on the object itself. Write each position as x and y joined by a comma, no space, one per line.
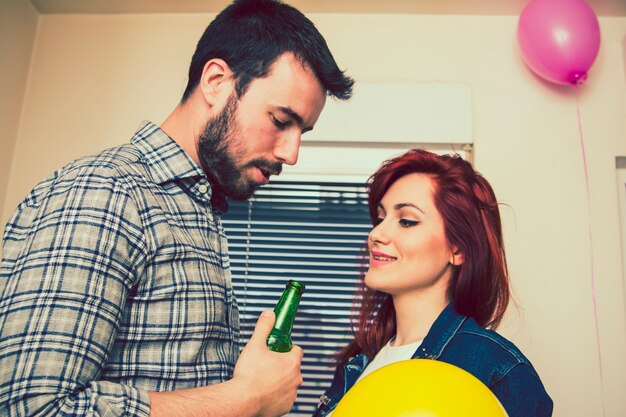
577,78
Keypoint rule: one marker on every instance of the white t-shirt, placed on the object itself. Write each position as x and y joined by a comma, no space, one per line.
388,355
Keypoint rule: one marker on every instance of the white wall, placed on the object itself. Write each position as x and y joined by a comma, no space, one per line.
93,78
18,26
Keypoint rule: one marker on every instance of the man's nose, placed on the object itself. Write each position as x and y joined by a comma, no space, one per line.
288,148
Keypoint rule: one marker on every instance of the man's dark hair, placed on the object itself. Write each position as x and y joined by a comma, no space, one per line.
249,35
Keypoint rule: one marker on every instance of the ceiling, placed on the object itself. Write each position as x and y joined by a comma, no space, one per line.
453,7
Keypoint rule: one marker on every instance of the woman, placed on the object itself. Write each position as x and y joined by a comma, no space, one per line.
437,284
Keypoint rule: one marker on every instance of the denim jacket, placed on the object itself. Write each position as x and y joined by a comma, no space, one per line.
460,341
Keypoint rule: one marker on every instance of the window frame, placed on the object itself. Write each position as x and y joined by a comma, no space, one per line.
321,162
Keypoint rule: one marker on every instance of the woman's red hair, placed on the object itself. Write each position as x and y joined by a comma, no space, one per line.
480,285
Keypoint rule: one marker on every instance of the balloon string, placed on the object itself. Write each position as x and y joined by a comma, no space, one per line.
593,279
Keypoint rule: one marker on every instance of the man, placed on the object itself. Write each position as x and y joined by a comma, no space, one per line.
115,289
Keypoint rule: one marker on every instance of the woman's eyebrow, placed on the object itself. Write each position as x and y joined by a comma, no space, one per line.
401,205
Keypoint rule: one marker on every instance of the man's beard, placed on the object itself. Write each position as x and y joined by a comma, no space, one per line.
218,148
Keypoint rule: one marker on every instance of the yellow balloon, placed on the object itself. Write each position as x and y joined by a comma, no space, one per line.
419,388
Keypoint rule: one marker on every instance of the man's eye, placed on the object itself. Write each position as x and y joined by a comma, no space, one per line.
279,123
408,223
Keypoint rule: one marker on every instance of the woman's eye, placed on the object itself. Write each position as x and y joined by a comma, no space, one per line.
408,223
378,221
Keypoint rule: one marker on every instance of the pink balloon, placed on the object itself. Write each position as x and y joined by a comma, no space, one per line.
559,39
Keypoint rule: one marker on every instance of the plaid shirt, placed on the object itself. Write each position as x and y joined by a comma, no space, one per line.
115,282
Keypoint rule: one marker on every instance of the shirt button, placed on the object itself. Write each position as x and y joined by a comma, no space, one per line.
203,189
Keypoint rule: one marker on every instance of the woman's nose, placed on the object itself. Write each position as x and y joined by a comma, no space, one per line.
378,235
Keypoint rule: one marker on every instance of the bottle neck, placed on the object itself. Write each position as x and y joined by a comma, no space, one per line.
286,310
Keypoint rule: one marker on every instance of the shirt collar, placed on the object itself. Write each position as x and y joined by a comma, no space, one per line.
166,161
164,158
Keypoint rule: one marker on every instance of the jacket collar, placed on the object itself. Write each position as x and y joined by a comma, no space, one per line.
443,329
441,332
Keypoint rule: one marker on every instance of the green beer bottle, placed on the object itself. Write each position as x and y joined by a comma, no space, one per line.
279,339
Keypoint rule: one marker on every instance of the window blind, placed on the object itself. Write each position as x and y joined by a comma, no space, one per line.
312,232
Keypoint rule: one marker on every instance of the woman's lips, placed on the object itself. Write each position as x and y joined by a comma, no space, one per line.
381,259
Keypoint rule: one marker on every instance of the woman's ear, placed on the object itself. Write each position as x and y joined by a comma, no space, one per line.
216,82
456,257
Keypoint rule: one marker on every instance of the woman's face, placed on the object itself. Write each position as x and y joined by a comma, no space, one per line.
409,252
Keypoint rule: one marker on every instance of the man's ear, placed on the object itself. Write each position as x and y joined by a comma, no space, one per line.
216,82
456,257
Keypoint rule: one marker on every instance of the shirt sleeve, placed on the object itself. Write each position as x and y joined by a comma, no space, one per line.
522,394
72,252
